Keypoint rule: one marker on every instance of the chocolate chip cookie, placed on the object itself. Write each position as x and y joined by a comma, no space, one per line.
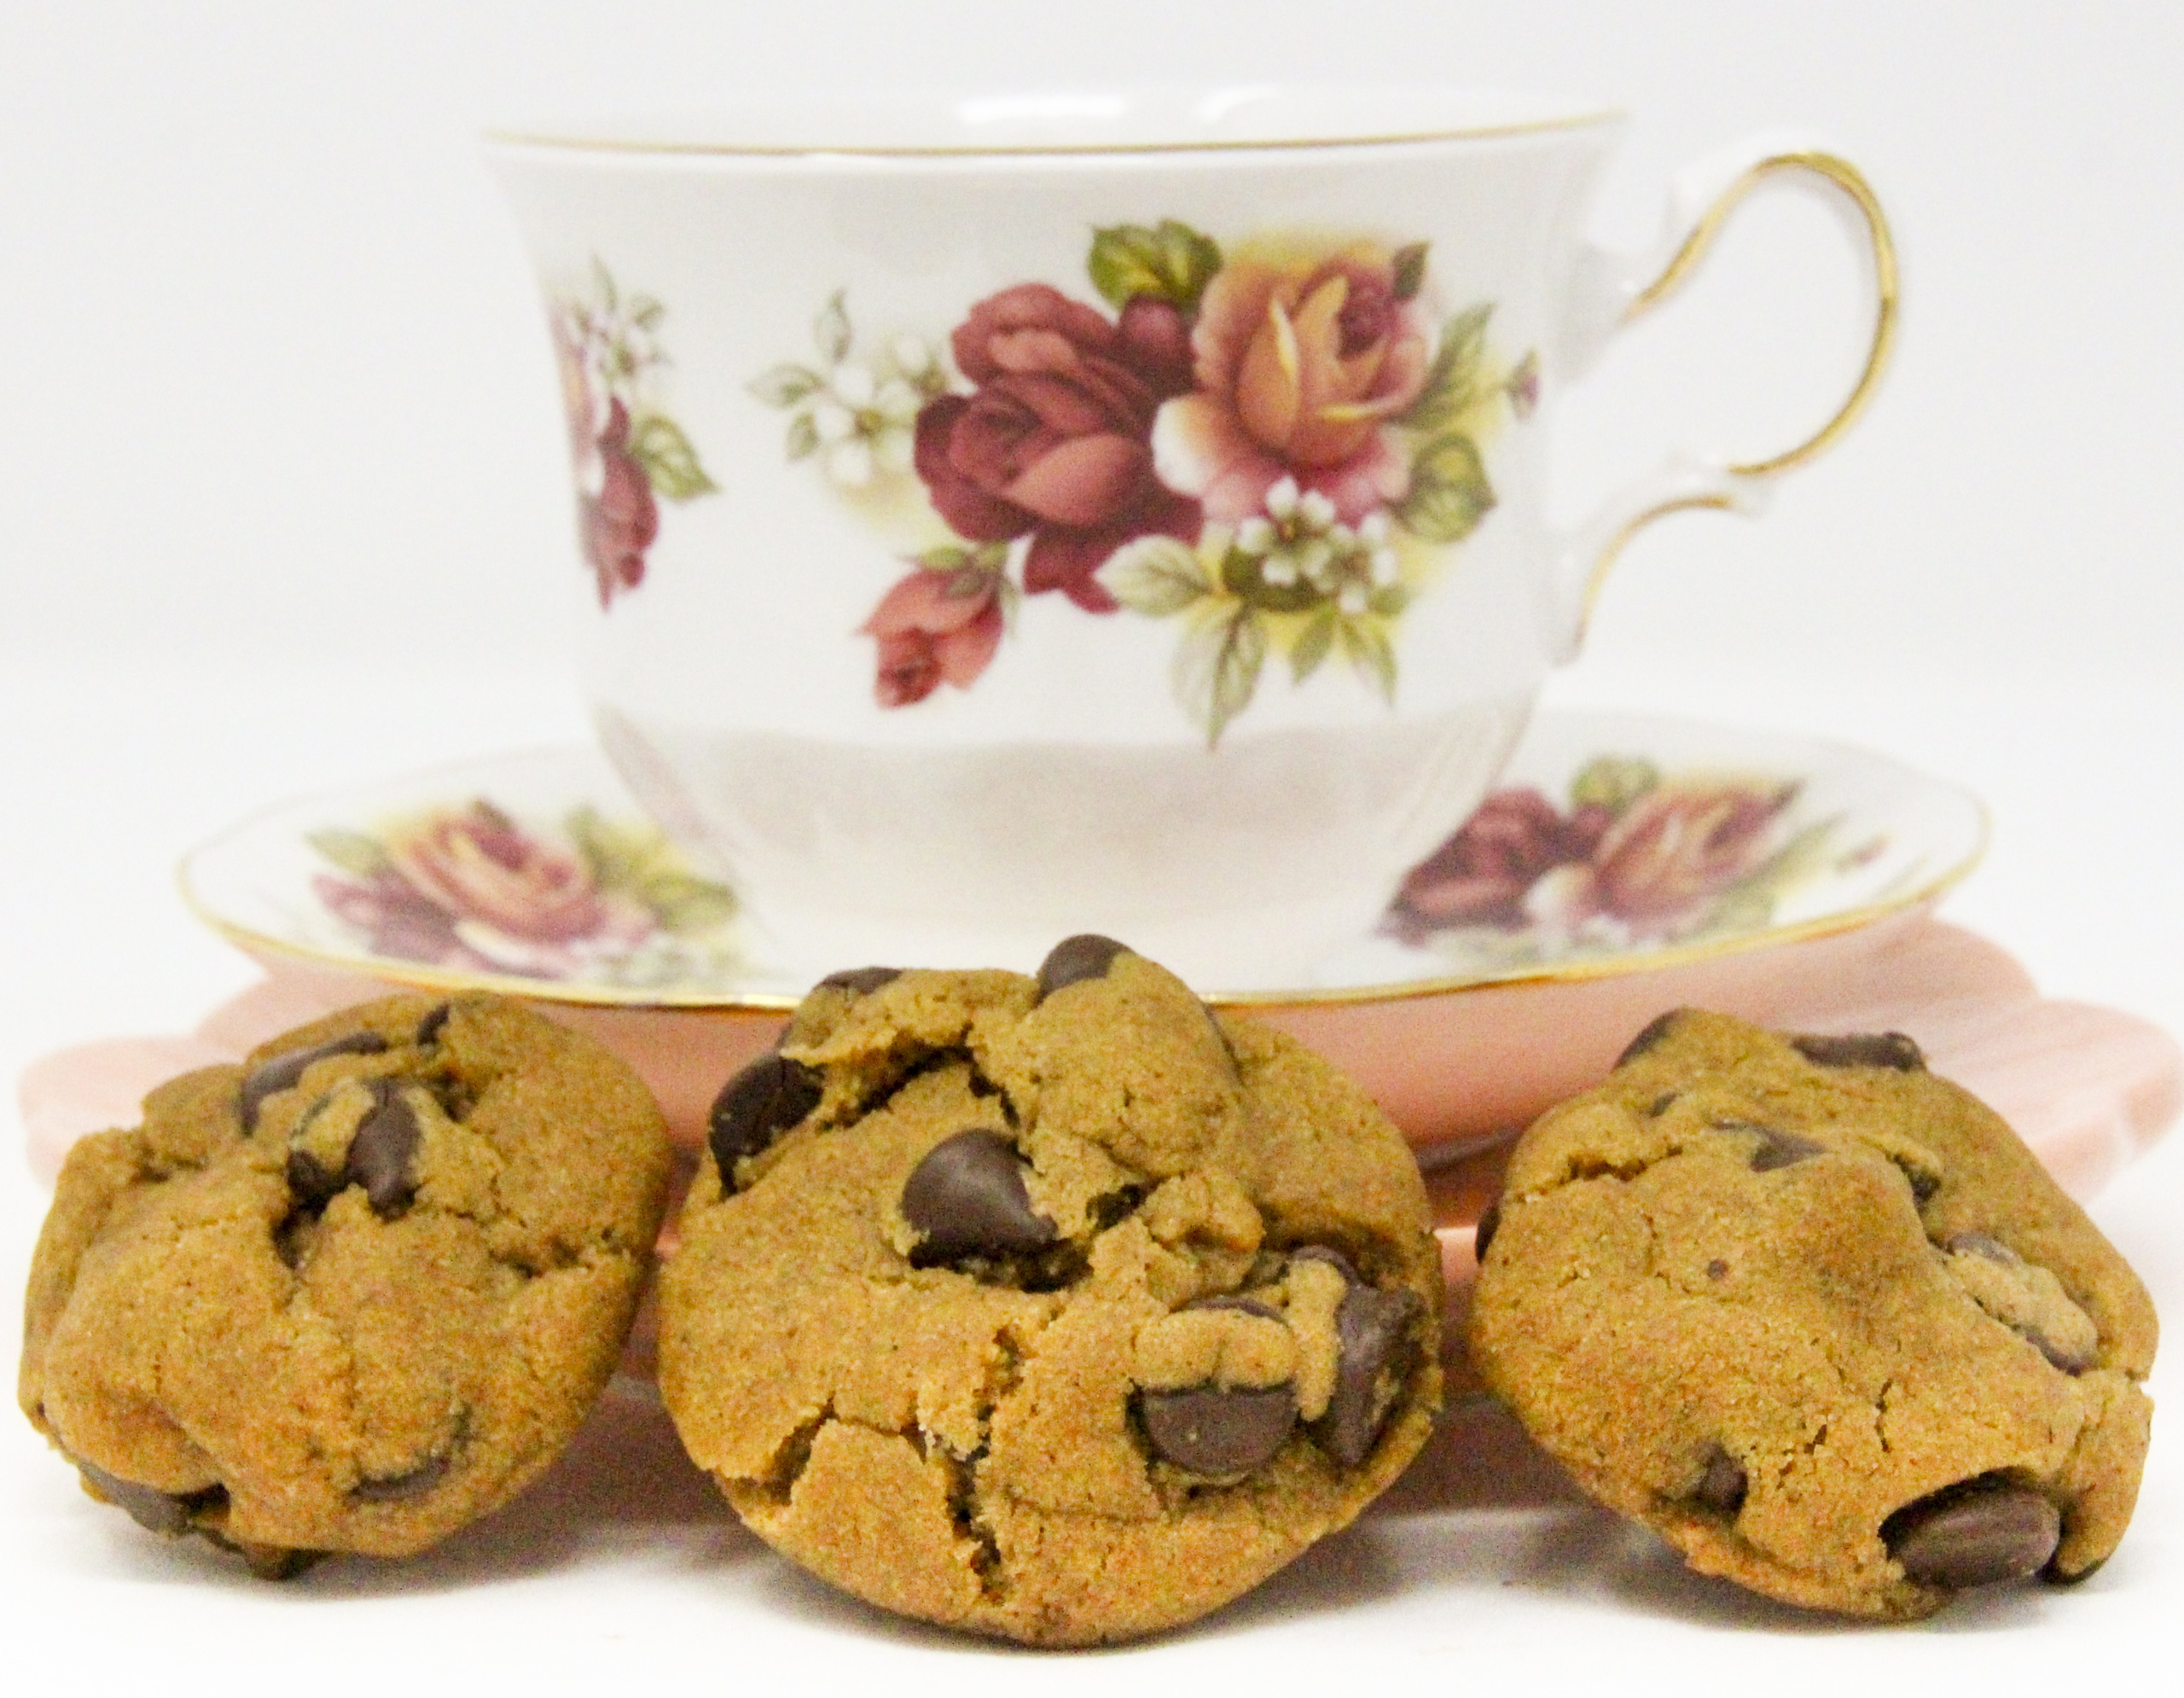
1058,1309
354,1293
1819,1318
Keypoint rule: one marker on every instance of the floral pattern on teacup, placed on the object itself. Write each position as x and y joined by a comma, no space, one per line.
626,453
1276,445
467,887
1638,858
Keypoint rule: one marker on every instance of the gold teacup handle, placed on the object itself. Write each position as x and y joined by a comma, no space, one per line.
1612,293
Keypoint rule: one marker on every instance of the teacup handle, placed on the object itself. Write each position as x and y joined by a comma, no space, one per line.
1613,290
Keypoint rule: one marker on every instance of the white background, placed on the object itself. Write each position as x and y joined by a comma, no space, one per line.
283,507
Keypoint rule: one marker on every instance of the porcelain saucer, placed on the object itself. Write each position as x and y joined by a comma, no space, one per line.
1624,863
1614,844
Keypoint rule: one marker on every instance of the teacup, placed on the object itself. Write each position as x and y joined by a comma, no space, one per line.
1016,517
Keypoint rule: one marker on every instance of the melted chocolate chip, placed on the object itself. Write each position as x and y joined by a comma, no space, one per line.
1862,1050
282,1072
1776,1148
1373,1330
380,1151
1249,1306
968,1198
1974,1533
434,1022
860,981
1656,1030
168,1514
1217,1433
1980,1244
1490,1223
756,1105
310,1182
1722,1488
1074,960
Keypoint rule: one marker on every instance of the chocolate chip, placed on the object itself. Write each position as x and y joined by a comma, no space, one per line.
282,1072
309,1182
1661,1104
1979,1244
1073,960
380,1149
394,1488
1718,1269
1374,1329
756,1106
1776,1148
167,1514
434,1022
968,1198
1722,1488
860,981
1333,1256
1862,1050
1974,1533
1217,1433
1656,1030
1490,1223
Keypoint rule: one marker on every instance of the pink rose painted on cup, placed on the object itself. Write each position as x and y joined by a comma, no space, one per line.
1675,850
469,887
1300,369
936,627
1278,453
624,452
1635,857
1054,441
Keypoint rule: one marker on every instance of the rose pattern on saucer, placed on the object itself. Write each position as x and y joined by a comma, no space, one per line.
1637,857
626,453
1279,445
465,887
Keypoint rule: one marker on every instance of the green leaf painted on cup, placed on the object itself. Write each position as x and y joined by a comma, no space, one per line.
1217,665
1170,261
1409,267
1452,379
353,852
1366,648
1156,576
1448,493
1613,782
786,385
831,329
670,463
1313,644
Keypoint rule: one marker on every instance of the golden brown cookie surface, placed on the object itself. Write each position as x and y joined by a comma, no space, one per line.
1057,1309
354,1293
1818,1317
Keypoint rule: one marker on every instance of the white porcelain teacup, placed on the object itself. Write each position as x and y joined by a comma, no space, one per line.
1018,517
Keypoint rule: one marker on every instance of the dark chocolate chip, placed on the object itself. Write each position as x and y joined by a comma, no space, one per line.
282,1072
380,1151
1974,1533
1776,1148
2059,1357
1373,1330
1656,1029
1862,1050
761,1102
164,1513
434,1022
1718,1269
1723,1486
394,1488
1219,1433
1979,1244
1073,960
1661,1104
1490,1223
1333,1256
309,1180
860,981
968,1198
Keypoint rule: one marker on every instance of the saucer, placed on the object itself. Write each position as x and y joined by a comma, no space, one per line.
1614,844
